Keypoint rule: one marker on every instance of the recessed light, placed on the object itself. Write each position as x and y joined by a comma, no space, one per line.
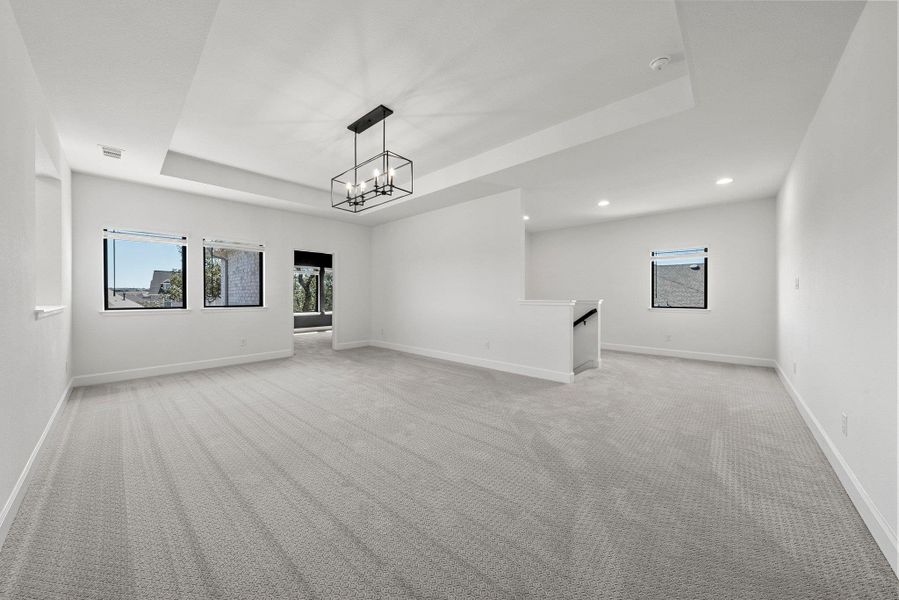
725,181
526,218
603,202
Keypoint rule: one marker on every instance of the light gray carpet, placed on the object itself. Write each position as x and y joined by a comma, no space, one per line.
372,474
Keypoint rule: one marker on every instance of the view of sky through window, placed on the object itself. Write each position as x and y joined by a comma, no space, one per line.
132,263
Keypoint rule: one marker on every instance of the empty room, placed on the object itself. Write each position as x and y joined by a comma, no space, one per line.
482,299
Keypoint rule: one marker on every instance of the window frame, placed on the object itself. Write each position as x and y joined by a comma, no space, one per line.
689,252
136,235
319,287
245,247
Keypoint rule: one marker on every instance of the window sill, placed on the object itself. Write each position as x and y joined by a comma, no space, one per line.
41,312
145,311
681,310
310,314
213,309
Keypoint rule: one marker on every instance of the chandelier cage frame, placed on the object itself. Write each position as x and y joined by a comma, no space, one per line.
383,178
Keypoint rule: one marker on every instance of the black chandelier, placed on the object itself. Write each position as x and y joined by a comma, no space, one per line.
384,177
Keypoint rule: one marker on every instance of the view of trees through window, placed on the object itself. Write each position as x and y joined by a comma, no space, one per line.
328,291
305,289
144,274
313,289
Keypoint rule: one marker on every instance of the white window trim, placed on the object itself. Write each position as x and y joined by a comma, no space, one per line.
168,238
701,253
234,245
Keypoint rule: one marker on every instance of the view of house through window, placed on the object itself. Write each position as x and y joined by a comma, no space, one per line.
680,278
144,270
232,274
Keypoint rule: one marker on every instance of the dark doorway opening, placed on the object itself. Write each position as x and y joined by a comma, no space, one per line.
313,289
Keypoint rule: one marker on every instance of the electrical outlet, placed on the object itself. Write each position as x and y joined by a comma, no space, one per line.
845,425
243,342
796,282
794,367
667,338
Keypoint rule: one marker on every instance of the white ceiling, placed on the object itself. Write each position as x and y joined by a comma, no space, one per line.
275,89
227,99
758,71
115,73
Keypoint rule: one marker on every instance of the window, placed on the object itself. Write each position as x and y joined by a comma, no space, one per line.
232,274
144,270
305,289
680,278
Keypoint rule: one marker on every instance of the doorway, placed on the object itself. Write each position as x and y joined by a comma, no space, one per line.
313,291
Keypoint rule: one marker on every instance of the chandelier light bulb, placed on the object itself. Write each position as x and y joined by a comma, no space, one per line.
362,185
390,175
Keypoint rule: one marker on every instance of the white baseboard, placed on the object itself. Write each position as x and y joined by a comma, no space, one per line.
18,491
724,358
873,518
351,345
196,365
587,364
496,365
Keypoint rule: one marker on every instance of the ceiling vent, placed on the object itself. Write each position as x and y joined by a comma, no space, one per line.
110,152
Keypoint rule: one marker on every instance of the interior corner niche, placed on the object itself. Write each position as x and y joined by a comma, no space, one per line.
48,227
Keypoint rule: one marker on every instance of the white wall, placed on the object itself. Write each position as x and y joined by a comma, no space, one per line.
49,238
118,346
448,283
611,261
837,234
33,353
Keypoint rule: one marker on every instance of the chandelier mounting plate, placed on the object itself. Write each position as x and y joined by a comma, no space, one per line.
373,117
